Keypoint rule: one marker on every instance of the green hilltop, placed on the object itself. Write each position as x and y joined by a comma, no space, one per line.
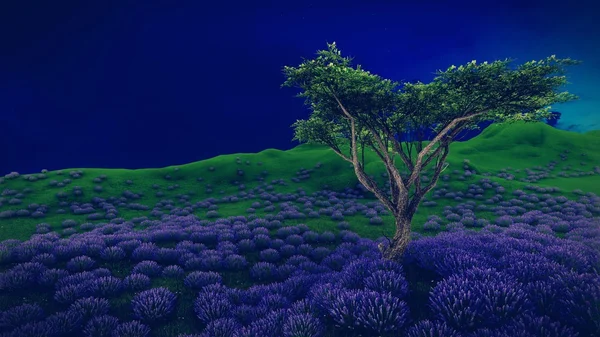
508,148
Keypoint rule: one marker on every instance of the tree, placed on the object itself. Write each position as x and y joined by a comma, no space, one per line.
352,105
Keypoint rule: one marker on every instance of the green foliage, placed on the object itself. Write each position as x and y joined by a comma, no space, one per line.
480,91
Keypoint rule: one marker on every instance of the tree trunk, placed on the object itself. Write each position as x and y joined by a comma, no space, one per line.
401,238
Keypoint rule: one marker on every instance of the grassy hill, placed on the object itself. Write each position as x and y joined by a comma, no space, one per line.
500,149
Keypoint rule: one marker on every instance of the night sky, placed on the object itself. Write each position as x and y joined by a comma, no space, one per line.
137,84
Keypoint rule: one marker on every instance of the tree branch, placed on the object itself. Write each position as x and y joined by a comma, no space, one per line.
419,162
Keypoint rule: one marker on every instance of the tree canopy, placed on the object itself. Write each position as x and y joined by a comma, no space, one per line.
349,103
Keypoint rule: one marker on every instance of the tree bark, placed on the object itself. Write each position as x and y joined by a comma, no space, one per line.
401,238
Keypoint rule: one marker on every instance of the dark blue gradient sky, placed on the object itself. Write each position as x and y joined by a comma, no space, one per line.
135,84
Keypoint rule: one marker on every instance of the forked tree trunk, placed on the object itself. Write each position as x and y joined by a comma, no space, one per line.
400,240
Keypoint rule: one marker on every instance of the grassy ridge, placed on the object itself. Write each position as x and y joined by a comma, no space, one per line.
518,146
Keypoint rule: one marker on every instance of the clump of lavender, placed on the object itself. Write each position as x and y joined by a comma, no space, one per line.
154,304
131,329
101,326
21,314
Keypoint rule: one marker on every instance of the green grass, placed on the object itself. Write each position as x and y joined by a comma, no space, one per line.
517,146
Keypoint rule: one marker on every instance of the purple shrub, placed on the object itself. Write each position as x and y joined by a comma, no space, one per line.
528,267
145,251
493,299
72,292
504,221
235,262
334,261
319,253
270,255
303,324
287,250
46,259
327,237
173,271
35,329
262,241
136,282
48,278
210,306
450,261
100,326
20,315
380,313
21,276
154,304
114,253
384,281
294,240
246,246
131,329
270,325
198,279
148,268
222,327
65,322
263,272
108,286
274,301
531,326
81,263
89,307
428,328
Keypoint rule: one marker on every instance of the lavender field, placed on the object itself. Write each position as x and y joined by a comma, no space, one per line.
287,244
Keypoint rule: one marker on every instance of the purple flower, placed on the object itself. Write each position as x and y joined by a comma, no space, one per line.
90,306
530,325
294,240
113,253
21,314
21,276
81,263
131,329
145,251
49,277
380,313
493,298
210,306
65,322
108,286
148,268
173,271
154,304
46,259
222,327
262,241
319,253
270,325
235,262
303,325
246,246
274,301
101,326
198,279
384,281
72,292
135,282
504,221
428,328
269,255
263,272
335,262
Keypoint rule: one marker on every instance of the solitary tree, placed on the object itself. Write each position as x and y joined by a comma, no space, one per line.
349,103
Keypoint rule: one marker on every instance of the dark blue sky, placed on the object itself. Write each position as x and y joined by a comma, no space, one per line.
135,84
